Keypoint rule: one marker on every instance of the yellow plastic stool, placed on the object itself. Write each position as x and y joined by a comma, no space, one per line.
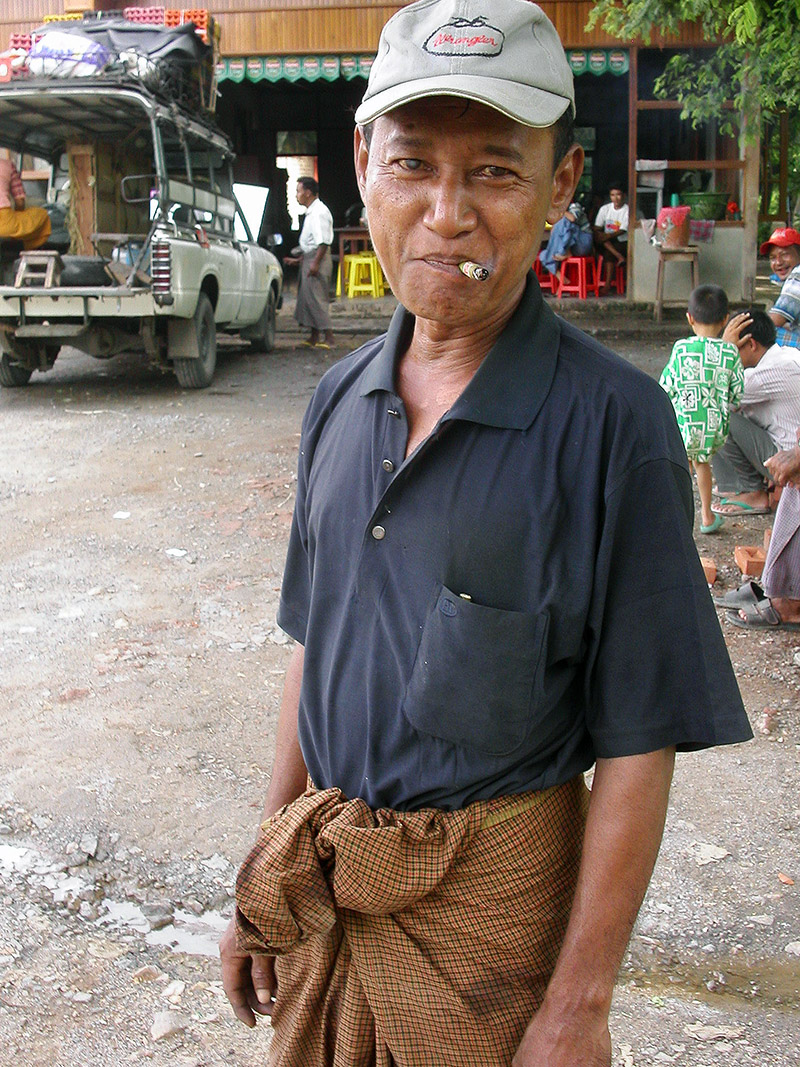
365,275
343,271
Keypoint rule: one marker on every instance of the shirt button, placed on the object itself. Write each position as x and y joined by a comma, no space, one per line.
388,465
378,532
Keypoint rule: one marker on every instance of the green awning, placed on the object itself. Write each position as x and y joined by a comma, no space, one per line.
292,68
329,68
598,60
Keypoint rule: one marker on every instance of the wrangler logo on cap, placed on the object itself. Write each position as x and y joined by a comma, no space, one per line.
466,37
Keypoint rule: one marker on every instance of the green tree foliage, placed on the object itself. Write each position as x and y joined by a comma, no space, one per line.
754,65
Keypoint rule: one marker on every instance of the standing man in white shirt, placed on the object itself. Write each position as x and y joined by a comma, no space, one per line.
611,230
316,265
766,420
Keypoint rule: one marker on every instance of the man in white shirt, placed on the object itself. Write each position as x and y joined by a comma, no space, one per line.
316,266
611,230
767,418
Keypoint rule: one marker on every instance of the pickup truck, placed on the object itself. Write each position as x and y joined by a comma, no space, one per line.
160,255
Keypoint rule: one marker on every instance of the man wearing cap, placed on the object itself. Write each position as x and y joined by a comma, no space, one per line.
477,490
783,249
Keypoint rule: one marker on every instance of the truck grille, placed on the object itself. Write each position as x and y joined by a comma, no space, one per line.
161,267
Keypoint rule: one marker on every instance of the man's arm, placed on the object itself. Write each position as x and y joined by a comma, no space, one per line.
249,981
319,255
623,834
785,466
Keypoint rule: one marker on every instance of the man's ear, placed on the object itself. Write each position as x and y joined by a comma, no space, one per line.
565,180
361,154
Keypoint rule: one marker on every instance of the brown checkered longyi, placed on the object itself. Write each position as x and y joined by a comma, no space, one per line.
416,939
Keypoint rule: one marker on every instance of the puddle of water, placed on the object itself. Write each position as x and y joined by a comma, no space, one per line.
771,982
196,935
17,860
122,915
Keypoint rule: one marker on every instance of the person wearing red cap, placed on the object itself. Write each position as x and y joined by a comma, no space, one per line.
783,249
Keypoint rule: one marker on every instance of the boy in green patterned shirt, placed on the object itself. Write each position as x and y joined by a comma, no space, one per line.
704,380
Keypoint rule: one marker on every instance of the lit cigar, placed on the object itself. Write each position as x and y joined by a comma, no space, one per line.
474,270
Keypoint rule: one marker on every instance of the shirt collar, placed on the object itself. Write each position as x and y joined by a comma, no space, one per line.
510,385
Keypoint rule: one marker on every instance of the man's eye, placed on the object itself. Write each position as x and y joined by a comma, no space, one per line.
410,164
495,172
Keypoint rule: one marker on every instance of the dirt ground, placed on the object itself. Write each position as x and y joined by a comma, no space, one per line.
143,531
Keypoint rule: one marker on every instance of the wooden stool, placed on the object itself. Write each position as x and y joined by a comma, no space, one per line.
42,267
579,274
365,276
684,254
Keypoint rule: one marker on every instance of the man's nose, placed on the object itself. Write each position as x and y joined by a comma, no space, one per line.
450,209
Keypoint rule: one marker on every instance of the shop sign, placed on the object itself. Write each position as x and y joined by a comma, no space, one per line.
292,68
579,62
348,65
236,70
618,61
598,61
273,68
255,69
330,68
311,67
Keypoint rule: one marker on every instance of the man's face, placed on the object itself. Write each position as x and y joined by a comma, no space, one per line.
783,260
445,182
302,195
617,197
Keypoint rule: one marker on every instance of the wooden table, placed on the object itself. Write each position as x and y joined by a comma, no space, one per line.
682,253
358,238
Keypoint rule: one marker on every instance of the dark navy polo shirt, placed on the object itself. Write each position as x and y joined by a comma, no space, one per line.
520,596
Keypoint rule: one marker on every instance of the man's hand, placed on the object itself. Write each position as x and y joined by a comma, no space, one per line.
249,981
19,203
572,1041
736,331
785,466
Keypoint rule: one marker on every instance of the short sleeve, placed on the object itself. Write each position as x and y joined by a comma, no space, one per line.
659,671
295,597
788,303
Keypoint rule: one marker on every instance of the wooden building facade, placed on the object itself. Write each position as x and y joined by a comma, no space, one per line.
292,72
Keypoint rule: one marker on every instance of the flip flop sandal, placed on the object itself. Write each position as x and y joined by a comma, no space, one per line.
749,593
715,525
742,505
761,616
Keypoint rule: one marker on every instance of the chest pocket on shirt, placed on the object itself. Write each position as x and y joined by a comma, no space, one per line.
477,673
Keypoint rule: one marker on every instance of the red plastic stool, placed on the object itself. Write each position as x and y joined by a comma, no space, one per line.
547,281
579,275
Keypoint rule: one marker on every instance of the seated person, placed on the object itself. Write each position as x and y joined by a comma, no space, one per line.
783,249
570,236
29,225
766,419
611,230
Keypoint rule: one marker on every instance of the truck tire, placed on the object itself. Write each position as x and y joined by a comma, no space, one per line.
262,338
199,373
13,374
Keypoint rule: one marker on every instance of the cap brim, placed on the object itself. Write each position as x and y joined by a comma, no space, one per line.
524,104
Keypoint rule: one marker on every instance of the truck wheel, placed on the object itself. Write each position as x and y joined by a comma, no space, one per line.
199,373
13,374
263,336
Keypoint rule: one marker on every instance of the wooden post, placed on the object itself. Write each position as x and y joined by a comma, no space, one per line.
633,137
750,141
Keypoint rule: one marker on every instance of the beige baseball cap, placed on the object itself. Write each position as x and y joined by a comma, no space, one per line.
502,53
